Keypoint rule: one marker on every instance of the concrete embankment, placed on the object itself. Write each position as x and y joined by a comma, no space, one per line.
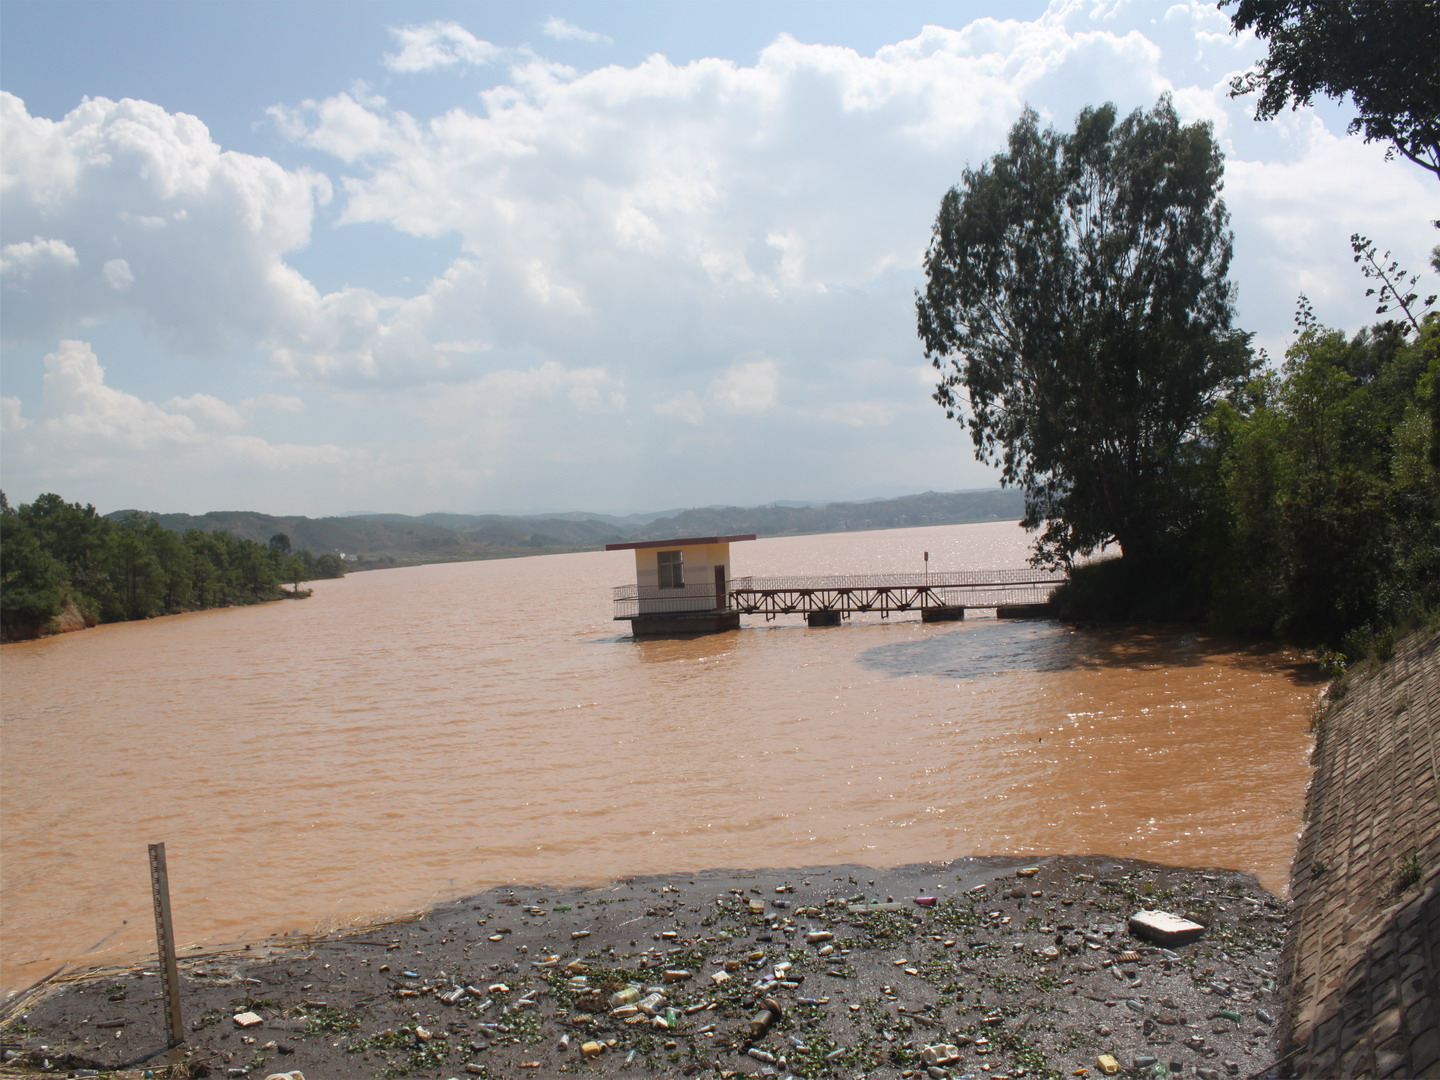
1362,959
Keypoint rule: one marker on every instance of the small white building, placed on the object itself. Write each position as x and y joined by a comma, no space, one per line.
681,586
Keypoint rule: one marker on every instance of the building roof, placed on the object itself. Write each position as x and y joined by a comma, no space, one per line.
691,541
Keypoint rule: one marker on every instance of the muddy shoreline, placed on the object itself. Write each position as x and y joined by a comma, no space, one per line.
1005,968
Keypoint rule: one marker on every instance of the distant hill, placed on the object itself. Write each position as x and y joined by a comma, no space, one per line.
376,540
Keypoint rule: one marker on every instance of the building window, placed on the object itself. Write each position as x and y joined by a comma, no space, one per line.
672,569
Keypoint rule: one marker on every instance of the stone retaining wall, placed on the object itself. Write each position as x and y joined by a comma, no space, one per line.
1362,961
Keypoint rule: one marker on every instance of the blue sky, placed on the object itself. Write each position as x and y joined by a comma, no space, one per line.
319,257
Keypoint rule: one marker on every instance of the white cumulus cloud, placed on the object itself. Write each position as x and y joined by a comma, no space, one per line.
144,213
94,437
563,30
118,273
23,261
438,45
208,411
84,410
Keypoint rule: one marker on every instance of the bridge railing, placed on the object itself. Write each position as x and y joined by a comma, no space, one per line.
633,600
933,580
884,599
960,588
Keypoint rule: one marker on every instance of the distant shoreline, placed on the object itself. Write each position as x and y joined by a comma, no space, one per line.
72,619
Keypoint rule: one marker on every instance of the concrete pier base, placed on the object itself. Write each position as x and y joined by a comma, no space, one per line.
823,618
682,623
942,614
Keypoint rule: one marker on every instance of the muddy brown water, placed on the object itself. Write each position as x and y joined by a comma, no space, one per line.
406,736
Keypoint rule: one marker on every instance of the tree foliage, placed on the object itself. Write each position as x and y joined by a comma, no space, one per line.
1327,491
1394,288
54,553
32,581
1078,310
1381,53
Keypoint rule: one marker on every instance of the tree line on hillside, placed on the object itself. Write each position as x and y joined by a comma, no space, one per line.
377,540
1079,313
902,512
57,556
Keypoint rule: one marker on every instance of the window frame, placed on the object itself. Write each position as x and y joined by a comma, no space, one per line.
670,572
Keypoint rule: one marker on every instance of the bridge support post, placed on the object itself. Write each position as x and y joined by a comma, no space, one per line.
942,614
823,618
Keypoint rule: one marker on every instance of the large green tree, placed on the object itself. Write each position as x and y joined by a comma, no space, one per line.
1079,312
1381,53
33,587
83,543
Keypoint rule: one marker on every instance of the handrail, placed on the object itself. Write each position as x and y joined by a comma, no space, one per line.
967,588
934,580
630,599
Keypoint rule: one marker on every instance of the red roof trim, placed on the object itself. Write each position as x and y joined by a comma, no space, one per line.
692,541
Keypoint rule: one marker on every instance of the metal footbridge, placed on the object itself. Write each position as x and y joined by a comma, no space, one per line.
942,595
824,599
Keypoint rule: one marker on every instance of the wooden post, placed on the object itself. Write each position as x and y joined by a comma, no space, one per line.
165,943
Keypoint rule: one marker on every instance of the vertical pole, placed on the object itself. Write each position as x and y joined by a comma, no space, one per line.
165,942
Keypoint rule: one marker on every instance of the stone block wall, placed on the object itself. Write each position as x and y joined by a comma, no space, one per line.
1362,960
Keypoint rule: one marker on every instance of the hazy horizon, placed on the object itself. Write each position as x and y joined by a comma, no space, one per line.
538,512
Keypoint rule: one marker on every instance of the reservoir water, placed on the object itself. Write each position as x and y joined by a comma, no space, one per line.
406,736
